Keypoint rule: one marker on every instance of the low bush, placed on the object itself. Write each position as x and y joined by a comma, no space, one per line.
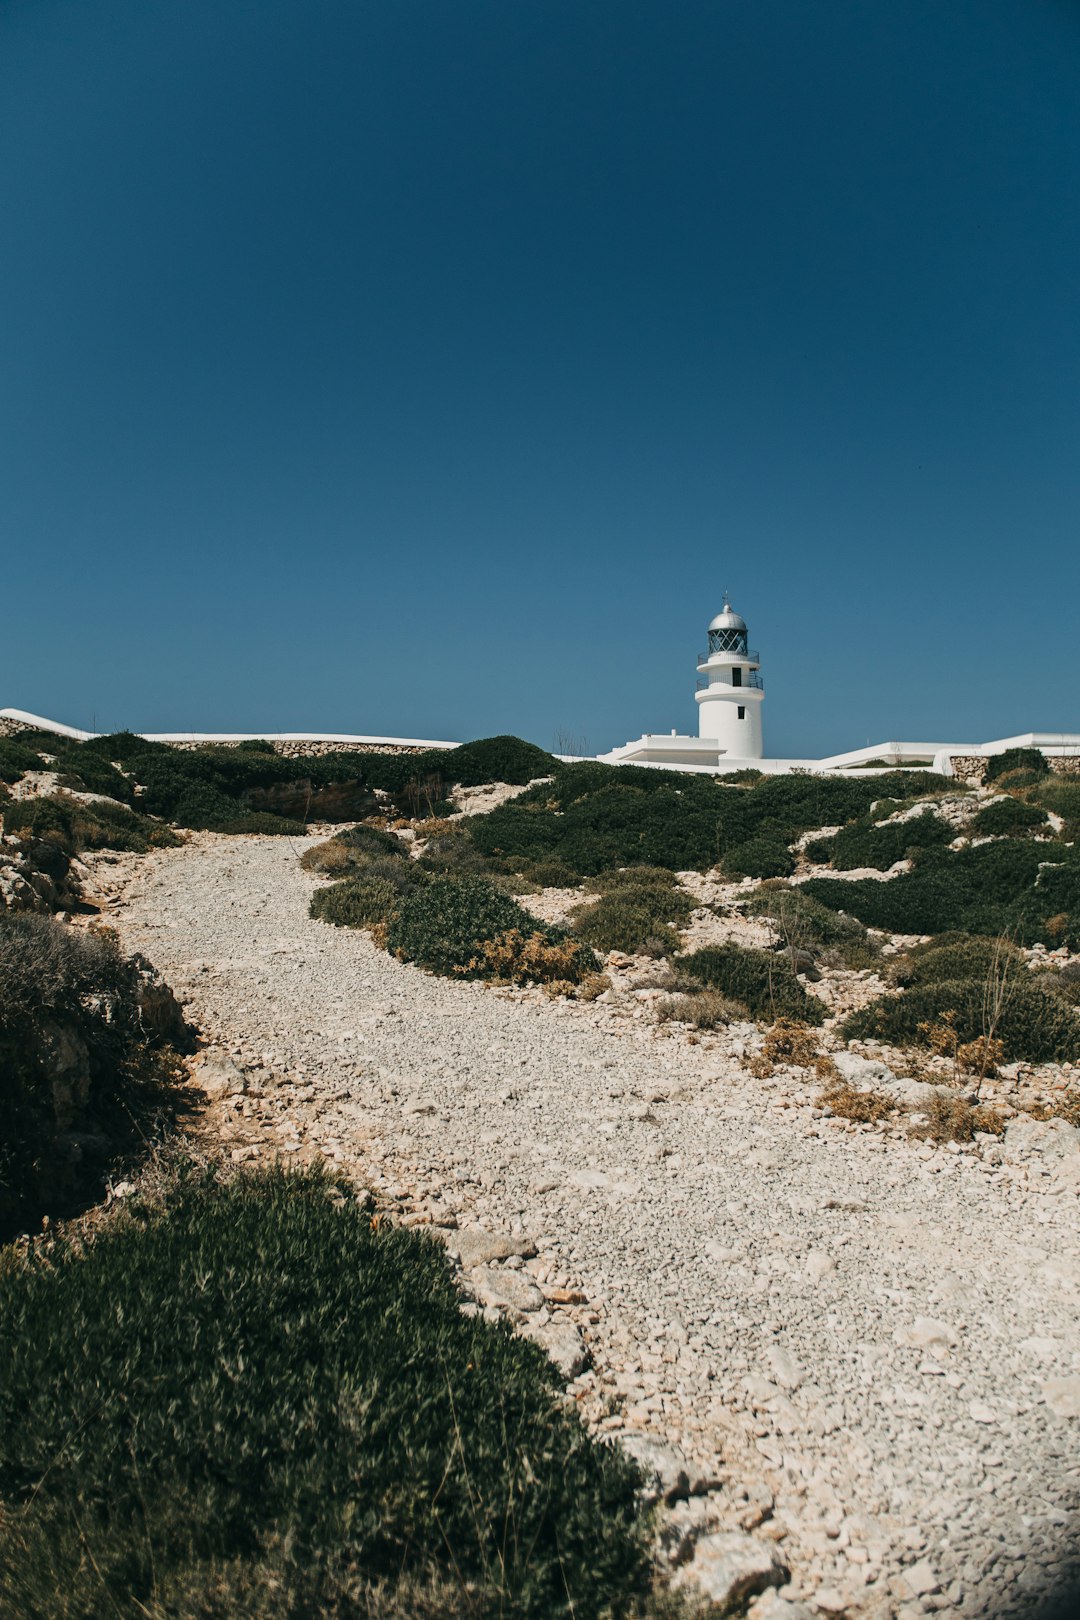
498,759
1006,817
1030,889
960,957
881,846
445,926
356,902
840,1097
74,1046
760,857
762,981
75,825
516,957
702,1009
1059,794
263,822
804,924
259,1402
122,746
1016,759
1034,1024
16,759
594,817
372,840
638,911
950,1118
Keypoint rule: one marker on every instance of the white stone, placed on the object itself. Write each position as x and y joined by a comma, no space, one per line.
505,1289
1062,1396
729,1566
663,1465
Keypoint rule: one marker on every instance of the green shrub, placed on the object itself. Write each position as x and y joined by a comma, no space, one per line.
445,925
16,759
257,745
498,759
372,840
952,959
702,1009
259,1393
760,857
1036,1025
356,902
880,847
1016,759
804,924
593,816
635,912
123,746
72,1044
1059,794
993,888
761,981
623,923
819,851
551,874
262,822
453,853
1007,816
75,825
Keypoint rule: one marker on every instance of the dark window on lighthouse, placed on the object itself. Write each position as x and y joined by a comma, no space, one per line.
742,711
736,677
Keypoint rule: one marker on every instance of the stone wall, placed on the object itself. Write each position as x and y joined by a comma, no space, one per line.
971,768
316,748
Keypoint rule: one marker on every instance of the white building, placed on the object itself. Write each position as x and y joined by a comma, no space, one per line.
730,697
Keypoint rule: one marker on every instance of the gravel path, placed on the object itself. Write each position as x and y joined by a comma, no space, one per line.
872,1344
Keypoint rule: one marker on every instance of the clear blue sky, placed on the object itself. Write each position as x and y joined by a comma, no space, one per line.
429,368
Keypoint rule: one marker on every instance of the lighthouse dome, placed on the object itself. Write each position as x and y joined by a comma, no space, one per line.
728,619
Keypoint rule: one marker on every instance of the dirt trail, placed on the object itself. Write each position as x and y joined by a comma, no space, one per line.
876,1342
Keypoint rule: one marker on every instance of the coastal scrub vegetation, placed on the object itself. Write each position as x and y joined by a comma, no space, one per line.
761,981
88,1044
246,1397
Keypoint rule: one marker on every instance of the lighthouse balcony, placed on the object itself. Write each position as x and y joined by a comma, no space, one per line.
751,681
722,657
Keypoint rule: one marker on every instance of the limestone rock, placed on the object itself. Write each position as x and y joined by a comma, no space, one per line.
772,1606
474,1247
729,1566
1051,1140
219,1076
506,1290
1062,1396
563,1343
664,1467
870,1074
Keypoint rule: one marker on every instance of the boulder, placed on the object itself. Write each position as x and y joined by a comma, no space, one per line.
663,1465
475,1247
219,1076
506,1290
563,1344
1050,1140
729,1567
870,1074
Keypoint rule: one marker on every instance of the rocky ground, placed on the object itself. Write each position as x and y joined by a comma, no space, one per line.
862,1349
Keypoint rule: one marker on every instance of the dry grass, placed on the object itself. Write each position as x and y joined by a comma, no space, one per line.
787,1042
514,957
954,1119
864,1107
705,1009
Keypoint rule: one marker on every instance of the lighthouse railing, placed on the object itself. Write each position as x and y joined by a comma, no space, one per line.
746,655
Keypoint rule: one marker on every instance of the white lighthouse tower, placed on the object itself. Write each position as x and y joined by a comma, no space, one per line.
730,691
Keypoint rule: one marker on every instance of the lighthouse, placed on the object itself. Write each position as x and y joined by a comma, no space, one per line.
730,690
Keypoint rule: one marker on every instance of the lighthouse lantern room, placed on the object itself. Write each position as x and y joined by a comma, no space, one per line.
730,689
